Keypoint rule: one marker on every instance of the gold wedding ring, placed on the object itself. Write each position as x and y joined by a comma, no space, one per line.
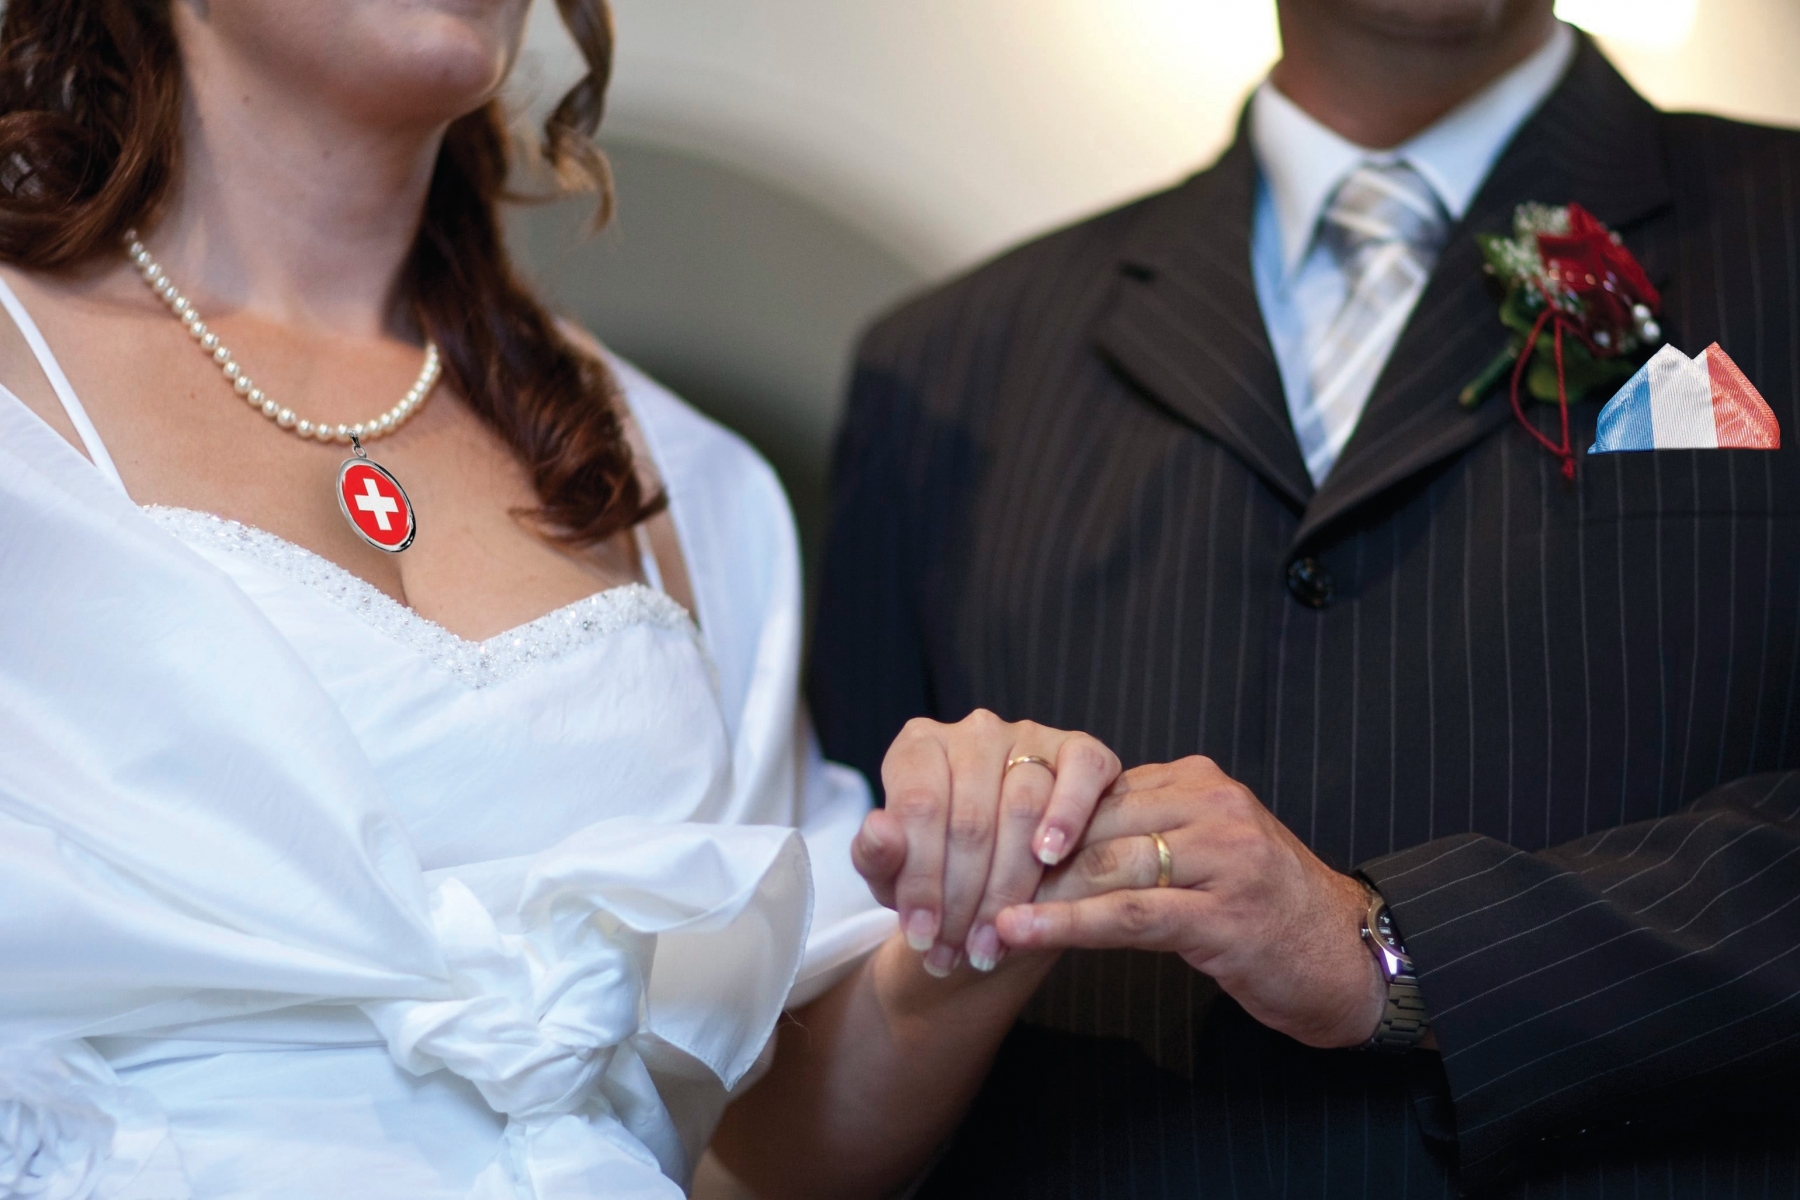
1165,862
1019,760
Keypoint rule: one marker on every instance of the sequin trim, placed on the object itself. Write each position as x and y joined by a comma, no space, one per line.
478,664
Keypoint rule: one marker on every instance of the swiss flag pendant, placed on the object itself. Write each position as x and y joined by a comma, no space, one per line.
374,503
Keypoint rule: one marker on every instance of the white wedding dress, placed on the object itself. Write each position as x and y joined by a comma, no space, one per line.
302,895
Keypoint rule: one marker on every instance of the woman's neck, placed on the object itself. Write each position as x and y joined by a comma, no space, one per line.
295,212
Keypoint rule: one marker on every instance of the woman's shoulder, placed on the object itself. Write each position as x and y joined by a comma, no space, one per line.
735,528
684,441
681,439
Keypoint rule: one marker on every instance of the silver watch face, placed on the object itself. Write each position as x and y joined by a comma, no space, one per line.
1389,954
1384,929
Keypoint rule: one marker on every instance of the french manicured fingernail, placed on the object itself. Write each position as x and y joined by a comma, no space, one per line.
1050,846
985,950
941,960
921,929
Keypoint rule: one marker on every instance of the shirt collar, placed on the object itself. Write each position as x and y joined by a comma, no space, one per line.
1303,162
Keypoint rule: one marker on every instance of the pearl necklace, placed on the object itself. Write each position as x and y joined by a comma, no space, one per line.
368,495
158,281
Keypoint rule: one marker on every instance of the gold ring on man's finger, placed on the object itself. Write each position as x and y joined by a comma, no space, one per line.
1019,760
1165,862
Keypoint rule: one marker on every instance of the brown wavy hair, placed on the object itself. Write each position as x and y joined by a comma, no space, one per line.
90,146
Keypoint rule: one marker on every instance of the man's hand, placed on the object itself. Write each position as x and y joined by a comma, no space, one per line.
1247,903
963,836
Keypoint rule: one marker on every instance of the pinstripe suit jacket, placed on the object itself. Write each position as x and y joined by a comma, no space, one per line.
1558,725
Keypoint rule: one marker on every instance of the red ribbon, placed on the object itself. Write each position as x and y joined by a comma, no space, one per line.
1565,452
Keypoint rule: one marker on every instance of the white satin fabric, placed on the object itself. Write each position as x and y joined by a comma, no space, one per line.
301,896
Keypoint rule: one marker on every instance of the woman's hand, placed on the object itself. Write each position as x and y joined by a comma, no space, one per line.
1245,902
891,1059
964,834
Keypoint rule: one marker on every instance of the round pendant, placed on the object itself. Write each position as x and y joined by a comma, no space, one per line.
375,504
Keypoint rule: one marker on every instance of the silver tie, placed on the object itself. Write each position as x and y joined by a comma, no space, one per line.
1386,226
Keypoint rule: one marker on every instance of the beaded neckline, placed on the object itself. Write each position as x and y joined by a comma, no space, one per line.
477,664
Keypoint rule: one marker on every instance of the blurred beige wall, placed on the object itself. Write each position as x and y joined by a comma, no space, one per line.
950,128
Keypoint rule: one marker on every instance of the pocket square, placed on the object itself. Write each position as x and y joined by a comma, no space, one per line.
1679,403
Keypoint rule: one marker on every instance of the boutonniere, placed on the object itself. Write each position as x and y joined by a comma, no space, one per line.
1582,312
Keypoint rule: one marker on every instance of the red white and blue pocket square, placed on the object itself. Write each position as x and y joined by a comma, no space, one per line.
1679,403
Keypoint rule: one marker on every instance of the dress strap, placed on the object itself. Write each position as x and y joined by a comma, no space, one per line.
647,556
59,383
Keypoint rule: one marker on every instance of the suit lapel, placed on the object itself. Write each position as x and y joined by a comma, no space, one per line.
1186,327
1595,142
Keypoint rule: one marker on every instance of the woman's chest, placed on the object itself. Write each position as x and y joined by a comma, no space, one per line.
603,708
181,436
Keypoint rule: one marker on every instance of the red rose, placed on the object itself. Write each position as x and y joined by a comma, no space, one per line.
1603,275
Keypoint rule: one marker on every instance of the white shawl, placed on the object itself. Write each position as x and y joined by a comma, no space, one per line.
189,831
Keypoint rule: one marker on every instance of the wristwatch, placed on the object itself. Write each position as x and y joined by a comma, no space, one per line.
1403,1020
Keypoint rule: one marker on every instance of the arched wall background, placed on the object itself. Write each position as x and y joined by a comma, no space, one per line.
788,168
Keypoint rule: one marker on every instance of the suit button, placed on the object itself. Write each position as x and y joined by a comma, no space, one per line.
1310,582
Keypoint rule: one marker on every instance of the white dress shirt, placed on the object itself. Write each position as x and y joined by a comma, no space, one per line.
1299,282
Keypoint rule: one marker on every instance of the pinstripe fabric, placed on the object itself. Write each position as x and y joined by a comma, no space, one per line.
1558,725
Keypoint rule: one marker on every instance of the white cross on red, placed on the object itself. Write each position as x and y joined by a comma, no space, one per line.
372,501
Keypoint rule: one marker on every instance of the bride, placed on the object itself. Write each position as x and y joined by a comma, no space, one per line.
403,791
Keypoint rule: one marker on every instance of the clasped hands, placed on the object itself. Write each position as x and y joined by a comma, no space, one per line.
984,861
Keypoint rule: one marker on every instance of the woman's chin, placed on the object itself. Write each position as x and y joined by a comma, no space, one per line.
446,66
384,62
438,93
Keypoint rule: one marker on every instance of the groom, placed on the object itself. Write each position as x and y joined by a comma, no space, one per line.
1193,476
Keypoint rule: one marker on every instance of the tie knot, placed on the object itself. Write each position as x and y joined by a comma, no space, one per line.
1378,204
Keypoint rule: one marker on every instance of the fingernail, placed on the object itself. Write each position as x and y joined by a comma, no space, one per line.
985,950
941,961
1050,846
921,929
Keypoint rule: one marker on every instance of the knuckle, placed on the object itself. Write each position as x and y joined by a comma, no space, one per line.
1102,861
1023,805
1086,754
919,727
971,829
1005,896
984,721
1101,748
915,804
917,893
1137,917
1197,769
1002,898
1234,836
1233,800
1002,892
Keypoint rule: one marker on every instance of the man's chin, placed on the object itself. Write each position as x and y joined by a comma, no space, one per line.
1440,21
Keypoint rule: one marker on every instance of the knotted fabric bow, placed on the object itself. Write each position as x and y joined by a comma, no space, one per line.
552,967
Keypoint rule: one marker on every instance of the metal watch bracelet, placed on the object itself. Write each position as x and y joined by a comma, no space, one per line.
1404,1023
